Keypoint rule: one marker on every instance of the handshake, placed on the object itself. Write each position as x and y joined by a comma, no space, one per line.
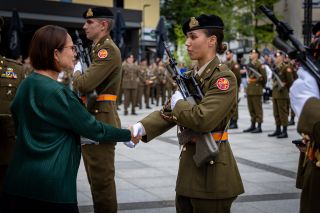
137,131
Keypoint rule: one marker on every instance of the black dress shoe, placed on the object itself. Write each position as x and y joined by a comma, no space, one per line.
257,130
133,113
283,135
275,133
148,107
291,123
125,112
233,126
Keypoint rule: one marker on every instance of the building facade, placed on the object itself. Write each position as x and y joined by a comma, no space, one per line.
140,16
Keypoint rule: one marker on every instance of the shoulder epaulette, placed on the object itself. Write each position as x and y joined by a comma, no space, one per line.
222,67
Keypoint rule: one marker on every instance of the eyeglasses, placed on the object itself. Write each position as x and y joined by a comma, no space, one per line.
73,47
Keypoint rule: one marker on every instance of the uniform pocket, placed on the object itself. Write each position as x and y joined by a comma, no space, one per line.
216,180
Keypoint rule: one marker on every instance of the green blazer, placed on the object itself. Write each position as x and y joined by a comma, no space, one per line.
218,180
50,119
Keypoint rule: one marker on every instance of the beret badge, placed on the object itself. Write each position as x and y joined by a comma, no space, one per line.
89,13
193,22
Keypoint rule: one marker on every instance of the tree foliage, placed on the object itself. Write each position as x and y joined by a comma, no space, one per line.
242,18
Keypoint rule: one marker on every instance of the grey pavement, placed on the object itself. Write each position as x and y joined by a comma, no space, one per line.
146,175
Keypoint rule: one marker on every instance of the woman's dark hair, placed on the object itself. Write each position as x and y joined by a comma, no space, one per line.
221,47
44,41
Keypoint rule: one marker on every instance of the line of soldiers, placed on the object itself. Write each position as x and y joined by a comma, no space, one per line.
282,74
143,82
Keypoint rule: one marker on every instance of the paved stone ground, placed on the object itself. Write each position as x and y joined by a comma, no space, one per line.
146,175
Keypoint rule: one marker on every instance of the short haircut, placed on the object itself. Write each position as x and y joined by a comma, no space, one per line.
44,41
110,23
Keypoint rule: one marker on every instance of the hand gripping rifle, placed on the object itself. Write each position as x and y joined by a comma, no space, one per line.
276,76
295,50
206,147
85,60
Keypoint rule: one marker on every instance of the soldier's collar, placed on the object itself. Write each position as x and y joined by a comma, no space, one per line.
102,40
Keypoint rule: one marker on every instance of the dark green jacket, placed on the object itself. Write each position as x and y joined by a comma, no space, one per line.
49,120
211,181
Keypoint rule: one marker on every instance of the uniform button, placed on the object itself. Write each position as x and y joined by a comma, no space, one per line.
211,162
96,111
184,149
10,85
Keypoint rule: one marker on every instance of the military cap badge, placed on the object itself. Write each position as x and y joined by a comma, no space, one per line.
193,22
89,13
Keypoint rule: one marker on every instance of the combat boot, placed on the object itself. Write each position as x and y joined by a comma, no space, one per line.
233,124
258,129
284,133
291,122
276,132
252,127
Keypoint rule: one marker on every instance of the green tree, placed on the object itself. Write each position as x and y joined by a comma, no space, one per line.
241,17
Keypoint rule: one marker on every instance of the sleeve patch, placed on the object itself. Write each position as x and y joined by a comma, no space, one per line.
103,53
223,84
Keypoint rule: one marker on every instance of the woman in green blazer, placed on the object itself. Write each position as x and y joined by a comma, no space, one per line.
49,119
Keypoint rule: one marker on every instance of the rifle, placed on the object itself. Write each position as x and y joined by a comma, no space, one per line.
280,83
255,72
82,52
295,50
207,148
85,60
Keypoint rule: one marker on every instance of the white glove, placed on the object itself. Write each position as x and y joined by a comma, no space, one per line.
77,68
130,144
136,129
302,89
175,98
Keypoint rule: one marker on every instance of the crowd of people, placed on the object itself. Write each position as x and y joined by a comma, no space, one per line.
42,119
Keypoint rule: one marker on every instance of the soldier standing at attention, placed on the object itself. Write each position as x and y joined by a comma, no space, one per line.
130,84
145,82
255,91
12,73
305,101
235,68
280,95
141,84
104,76
213,186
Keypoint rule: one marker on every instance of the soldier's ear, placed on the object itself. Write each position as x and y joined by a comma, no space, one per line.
212,41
